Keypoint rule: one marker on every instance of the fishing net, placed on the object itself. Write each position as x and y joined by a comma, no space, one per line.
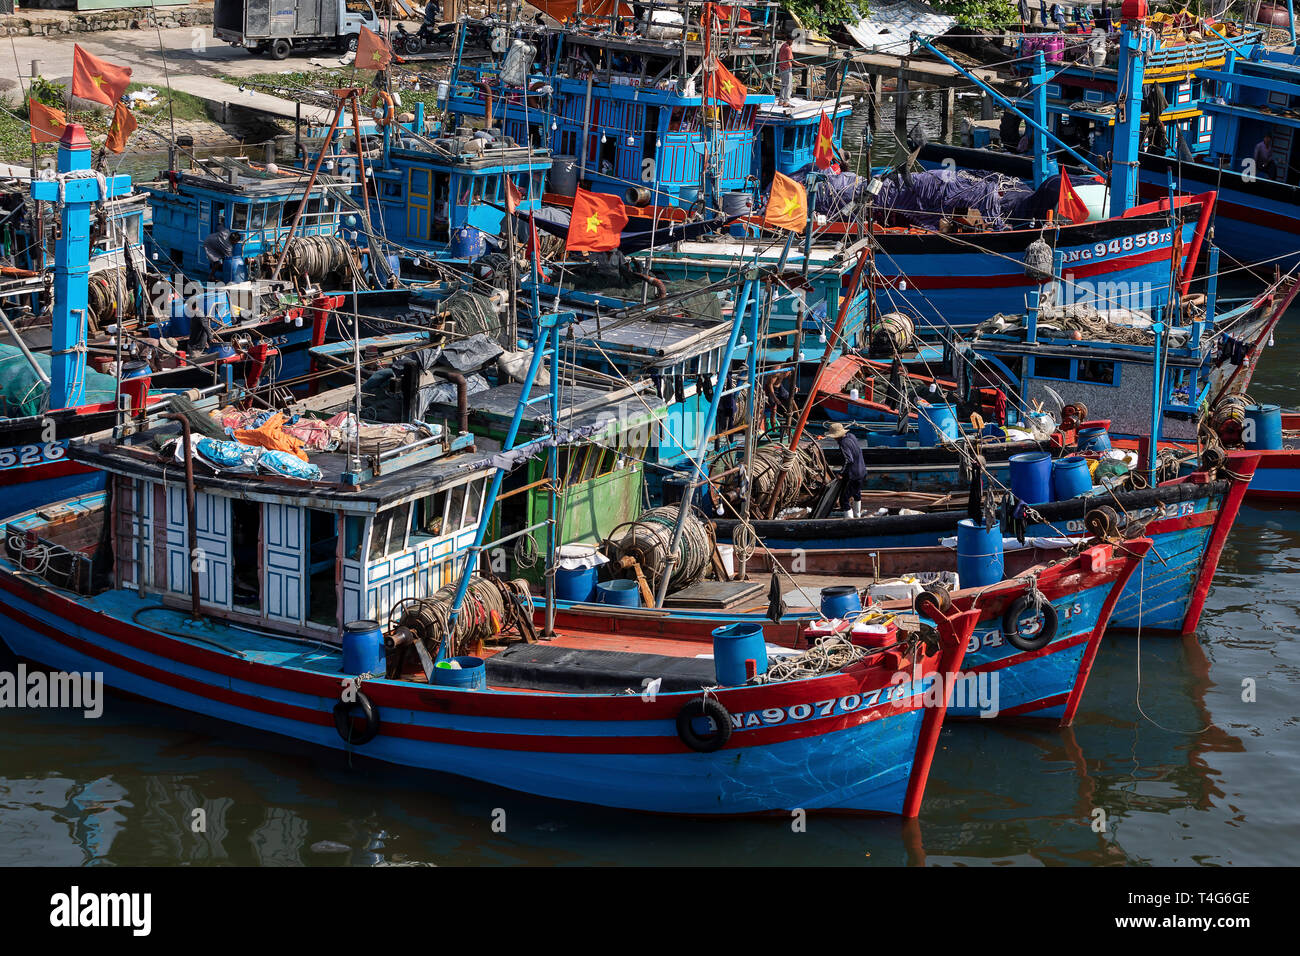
22,393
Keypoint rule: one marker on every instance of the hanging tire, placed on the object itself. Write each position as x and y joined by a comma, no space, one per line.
279,49
704,707
343,720
1011,626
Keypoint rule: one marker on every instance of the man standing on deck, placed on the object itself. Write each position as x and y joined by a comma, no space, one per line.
1264,165
219,246
854,470
785,67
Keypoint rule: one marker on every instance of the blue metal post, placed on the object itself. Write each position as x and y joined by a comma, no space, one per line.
543,324
1128,124
72,261
1157,394
1044,165
706,428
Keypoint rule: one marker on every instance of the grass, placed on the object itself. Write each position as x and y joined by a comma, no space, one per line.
15,139
316,85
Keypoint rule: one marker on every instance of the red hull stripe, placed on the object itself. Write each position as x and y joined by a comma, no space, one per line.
542,743
1053,701
43,472
1019,279
1014,659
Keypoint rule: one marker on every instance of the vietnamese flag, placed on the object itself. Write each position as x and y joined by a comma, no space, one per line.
721,85
787,205
513,196
596,223
1069,205
824,150
124,124
372,52
96,79
47,123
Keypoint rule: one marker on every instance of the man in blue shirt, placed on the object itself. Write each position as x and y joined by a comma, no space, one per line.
854,470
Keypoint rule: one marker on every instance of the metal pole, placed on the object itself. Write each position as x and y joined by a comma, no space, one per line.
553,474
702,445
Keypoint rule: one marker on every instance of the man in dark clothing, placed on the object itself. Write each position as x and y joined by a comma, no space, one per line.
854,470
219,246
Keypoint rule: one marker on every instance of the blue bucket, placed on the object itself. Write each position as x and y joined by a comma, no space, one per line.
979,554
1031,477
467,243
839,601
732,646
621,592
1093,439
234,269
575,584
471,675
936,423
996,431
1070,478
363,648
1263,429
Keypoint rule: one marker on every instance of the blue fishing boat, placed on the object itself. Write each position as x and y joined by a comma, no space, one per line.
334,636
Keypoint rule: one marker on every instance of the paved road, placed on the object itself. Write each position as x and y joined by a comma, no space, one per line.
194,60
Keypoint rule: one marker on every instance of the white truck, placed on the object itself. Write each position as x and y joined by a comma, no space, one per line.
277,27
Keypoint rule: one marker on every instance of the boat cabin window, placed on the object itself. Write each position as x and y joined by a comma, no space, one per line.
1098,371
1052,367
246,554
388,536
354,528
240,218
428,517
288,211
322,548
256,216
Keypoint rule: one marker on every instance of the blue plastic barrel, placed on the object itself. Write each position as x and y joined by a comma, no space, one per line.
1070,478
234,269
1263,429
363,648
1031,477
621,592
178,320
839,601
471,675
735,644
136,369
467,243
936,423
1093,439
979,554
575,584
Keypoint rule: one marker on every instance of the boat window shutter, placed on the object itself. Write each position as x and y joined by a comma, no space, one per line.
283,559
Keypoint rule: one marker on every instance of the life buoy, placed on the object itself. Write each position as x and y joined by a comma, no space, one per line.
1011,625
704,707
343,719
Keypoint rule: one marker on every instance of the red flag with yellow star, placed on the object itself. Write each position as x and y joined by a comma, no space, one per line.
124,124
47,122
1068,204
824,150
721,85
596,223
372,51
96,79
787,205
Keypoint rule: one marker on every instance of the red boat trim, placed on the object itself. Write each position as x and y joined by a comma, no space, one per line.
1240,466
954,632
1136,550
308,684
63,468
1034,705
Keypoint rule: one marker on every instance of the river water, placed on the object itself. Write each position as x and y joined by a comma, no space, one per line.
1182,768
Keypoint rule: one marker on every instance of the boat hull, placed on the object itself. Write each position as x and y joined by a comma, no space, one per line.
852,741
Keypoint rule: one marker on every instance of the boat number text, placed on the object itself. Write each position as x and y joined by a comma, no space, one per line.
1146,240
20,455
1178,510
772,716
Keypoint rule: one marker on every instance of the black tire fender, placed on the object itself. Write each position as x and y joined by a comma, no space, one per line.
704,707
1011,625
343,719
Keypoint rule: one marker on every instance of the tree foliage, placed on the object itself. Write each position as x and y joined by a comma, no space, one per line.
988,14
